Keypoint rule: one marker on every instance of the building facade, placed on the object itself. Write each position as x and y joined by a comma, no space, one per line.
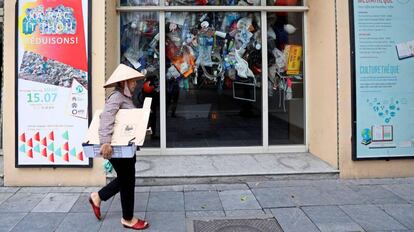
225,77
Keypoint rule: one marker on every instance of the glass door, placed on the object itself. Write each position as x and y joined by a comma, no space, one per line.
222,73
213,79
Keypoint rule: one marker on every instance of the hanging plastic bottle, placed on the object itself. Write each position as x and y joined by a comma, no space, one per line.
185,30
224,52
195,79
288,89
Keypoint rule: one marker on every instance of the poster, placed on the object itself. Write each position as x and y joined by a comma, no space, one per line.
52,82
383,33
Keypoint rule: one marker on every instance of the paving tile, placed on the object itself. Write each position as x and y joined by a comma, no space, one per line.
35,190
238,199
9,220
370,217
116,204
199,187
79,222
142,189
307,196
9,189
327,183
140,202
402,213
293,220
267,211
57,202
4,197
202,200
112,221
67,189
392,231
91,189
21,202
376,194
361,182
166,201
294,183
41,222
343,195
331,219
405,191
174,188
205,214
279,183
273,197
381,181
221,187
408,180
82,204
252,213
166,221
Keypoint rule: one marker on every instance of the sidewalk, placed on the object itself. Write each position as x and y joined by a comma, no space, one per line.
297,205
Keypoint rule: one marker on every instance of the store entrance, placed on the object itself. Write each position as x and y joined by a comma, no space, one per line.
213,79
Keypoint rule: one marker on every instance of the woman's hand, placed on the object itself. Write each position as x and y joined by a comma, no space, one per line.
106,150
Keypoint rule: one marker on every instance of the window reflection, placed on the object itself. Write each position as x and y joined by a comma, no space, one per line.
140,50
213,78
285,78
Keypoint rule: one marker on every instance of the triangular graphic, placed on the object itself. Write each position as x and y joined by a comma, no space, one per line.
51,158
37,148
23,148
80,156
37,137
30,143
73,152
51,147
66,135
66,146
23,137
30,153
51,136
44,153
44,142
58,152
66,157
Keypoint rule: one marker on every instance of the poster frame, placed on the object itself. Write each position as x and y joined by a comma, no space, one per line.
16,93
354,109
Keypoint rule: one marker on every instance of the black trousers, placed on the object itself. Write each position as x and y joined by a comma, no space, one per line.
123,183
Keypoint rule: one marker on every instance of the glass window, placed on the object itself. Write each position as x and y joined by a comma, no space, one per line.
139,2
140,50
213,79
285,3
285,78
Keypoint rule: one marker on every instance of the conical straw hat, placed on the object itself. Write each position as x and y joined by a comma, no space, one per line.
122,73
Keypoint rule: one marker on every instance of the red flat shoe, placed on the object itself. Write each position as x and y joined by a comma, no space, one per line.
96,209
140,225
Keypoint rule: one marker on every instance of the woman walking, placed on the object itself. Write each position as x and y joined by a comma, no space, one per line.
124,80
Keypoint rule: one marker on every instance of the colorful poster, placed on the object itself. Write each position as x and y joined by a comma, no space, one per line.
52,82
384,78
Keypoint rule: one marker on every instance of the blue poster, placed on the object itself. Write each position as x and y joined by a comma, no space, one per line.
384,78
